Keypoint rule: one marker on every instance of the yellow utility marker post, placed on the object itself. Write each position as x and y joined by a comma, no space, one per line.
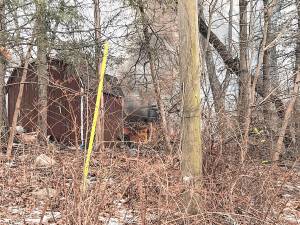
95,118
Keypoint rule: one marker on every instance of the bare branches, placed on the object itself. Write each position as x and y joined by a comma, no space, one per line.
18,103
231,62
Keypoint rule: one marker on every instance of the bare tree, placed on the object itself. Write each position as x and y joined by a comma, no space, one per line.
218,88
2,70
288,113
42,67
18,103
292,102
155,80
297,68
267,73
97,24
233,63
252,87
190,71
244,78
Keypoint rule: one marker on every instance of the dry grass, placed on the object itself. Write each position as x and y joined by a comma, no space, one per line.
145,189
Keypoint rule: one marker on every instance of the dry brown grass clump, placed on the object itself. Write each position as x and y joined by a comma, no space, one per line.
145,188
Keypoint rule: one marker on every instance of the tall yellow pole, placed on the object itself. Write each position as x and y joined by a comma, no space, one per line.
95,118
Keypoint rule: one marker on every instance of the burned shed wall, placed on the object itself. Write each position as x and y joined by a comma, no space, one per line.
63,101
66,108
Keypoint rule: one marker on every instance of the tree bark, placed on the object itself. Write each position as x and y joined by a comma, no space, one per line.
99,138
267,108
42,69
244,78
288,113
216,86
217,89
3,121
252,85
18,104
293,100
297,104
243,106
154,77
190,70
233,65
2,102
267,65
230,62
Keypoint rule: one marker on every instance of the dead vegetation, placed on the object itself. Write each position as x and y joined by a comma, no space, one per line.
248,112
145,188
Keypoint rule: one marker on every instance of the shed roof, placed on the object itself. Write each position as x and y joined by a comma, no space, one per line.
84,74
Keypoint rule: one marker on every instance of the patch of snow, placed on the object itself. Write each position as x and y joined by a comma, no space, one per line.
122,216
187,179
8,221
291,219
33,217
20,130
36,217
16,210
44,161
110,221
11,164
287,196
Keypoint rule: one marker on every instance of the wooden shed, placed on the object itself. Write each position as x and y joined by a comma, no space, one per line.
68,107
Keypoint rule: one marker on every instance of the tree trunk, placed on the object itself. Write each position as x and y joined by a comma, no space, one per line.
230,26
99,138
155,79
218,89
233,65
244,78
267,88
297,103
293,100
288,113
2,76
216,86
252,84
267,65
190,70
18,104
42,69
2,102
